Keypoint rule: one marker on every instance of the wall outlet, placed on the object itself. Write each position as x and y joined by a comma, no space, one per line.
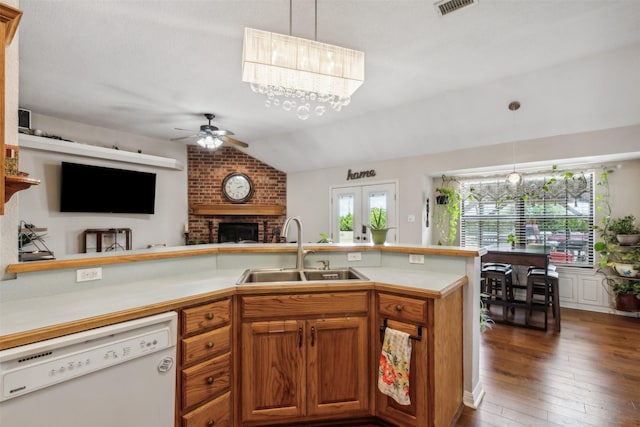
354,256
86,274
416,259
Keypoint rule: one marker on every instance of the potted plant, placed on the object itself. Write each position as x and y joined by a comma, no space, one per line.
624,229
626,293
447,213
378,226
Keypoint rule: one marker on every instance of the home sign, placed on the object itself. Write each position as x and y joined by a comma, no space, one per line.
359,175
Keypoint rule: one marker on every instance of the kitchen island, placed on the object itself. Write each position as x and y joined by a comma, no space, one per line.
45,300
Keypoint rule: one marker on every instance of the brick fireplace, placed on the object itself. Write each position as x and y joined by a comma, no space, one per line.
207,169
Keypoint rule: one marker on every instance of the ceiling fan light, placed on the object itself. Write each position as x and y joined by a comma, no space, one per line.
210,142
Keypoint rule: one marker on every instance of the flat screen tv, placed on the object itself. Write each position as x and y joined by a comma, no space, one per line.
87,188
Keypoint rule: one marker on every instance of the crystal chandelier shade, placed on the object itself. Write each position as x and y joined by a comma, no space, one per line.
300,75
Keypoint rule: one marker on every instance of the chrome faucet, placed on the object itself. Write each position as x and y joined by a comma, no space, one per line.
301,251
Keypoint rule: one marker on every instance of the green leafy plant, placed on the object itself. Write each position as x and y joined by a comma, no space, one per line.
324,238
447,210
378,219
624,225
346,222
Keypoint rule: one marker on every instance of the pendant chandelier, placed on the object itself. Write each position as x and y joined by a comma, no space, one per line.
300,75
514,177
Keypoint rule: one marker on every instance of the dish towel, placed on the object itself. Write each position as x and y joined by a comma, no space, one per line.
395,360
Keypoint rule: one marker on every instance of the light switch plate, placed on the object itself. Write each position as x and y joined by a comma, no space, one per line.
416,259
354,256
87,274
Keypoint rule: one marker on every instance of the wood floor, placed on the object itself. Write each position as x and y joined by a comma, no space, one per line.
586,375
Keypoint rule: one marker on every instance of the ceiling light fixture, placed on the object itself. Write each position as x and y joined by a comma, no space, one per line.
210,142
300,75
514,177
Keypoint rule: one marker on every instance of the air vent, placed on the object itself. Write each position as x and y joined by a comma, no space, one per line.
447,6
35,356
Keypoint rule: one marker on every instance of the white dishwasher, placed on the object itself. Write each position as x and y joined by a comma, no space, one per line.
119,375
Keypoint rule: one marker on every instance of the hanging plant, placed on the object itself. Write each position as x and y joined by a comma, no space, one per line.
448,199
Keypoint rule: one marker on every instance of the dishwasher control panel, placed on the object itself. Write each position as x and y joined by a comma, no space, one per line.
39,370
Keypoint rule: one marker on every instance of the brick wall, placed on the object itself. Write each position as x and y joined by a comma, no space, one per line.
207,169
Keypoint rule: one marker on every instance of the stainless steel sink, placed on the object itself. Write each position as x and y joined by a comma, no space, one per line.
334,274
270,275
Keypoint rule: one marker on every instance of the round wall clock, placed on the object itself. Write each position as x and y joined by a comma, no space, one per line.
237,187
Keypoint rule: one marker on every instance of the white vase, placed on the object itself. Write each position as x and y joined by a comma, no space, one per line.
628,239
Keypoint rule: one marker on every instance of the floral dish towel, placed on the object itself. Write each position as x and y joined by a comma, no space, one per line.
393,371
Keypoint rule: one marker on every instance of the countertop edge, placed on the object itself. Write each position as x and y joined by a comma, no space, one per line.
189,251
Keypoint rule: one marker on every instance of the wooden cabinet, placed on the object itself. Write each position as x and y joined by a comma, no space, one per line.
304,356
205,376
435,380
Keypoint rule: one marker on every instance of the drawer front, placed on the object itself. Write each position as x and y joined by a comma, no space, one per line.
203,346
215,413
206,316
205,380
402,308
289,305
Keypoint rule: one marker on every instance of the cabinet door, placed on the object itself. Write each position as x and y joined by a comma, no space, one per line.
337,352
417,413
273,370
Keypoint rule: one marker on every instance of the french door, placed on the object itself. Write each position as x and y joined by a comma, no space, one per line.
352,208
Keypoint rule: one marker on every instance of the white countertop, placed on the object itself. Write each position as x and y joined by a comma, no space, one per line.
40,312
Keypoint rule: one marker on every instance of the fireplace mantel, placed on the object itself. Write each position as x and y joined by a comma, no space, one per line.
238,209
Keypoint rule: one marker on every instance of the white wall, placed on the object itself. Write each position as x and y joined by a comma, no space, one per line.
40,205
9,221
308,192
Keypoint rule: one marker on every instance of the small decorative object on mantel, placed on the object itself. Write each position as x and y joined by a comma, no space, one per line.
11,159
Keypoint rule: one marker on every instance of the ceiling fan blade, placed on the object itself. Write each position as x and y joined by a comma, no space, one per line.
186,130
183,137
234,141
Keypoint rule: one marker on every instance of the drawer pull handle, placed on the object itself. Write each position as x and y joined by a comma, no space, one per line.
313,336
210,380
210,316
211,422
398,307
210,344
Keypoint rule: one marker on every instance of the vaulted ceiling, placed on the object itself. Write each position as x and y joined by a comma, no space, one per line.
432,83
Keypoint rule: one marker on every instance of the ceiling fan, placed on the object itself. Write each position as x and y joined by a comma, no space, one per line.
210,136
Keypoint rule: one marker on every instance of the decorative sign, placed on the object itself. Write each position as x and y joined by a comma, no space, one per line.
359,175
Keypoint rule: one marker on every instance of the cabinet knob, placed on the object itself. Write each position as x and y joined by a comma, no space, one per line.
210,344
398,307
210,316
210,380
211,422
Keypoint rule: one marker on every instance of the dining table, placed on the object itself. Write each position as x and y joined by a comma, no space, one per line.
528,255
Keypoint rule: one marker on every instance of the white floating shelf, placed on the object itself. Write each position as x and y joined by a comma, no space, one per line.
84,150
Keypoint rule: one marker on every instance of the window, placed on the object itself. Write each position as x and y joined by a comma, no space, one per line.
553,212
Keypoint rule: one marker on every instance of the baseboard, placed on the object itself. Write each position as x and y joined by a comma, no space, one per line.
473,400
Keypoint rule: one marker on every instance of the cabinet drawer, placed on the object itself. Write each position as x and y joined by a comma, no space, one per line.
205,380
206,345
289,305
206,316
401,308
215,413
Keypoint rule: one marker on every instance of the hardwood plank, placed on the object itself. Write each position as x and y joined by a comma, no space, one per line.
586,375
